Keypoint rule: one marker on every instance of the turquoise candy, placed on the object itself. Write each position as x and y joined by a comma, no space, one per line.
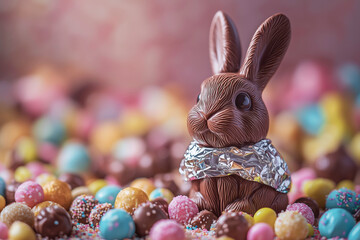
107,194
2,187
74,158
350,77
49,130
311,118
336,222
117,224
355,233
343,198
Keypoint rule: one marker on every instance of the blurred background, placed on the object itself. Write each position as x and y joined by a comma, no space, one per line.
118,78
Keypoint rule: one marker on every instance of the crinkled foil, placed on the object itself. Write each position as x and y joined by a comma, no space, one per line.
260,162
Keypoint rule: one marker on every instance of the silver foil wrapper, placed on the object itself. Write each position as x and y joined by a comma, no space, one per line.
260,162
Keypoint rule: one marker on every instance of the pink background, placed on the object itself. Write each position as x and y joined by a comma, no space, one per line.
137,43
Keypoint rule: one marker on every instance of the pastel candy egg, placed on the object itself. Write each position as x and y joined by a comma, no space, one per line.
346,184
44,178
108,194
73,158
36,169
336,222
59,192
22,174
117,224
311,119
130,198
304,210
97,185
167,229
21,231
2,187
25,149
29,193
163,193
343,198
3,231
291,225
355,233
104,136
318,189
144,184
350,77
260,231
49,130
265,215
182,209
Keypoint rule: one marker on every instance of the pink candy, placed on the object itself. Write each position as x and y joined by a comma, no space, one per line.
182,209
260,231
167,229
3,231
304,210
29,193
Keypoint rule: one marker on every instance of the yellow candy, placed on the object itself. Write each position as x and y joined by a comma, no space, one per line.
22,174
248,218
346,184
354,147
130,198
2,203
265,215
59,192
163,193
224,238
97,185
104,137
291,225
21,231
144,184
318,189
44,178
311,230
134,123
80,191
26,148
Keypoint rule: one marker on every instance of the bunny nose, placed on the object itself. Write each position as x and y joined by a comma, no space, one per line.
206,116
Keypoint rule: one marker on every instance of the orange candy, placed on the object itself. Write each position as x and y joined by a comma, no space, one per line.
58,192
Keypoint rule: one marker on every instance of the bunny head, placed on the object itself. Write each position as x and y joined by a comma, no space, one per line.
229,109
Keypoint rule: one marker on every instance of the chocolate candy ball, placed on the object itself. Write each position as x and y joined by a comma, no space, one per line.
74,180
53,221
145,216
81,208
37,208
59,192
204,219
17,212
130,198
232,225
97,212
311,203
162,203
10,191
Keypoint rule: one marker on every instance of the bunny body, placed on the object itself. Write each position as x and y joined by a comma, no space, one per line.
230,111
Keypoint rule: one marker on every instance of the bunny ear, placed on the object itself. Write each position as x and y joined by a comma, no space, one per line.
266,50
225,50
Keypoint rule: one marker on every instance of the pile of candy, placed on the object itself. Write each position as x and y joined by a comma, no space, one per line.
91,163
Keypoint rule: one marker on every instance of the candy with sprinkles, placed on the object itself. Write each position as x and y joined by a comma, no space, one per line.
130,198
167,229
108,194
81,208
29,193
97,212
204,219
53,221
182,209
17,212
59,192
291,225
21,231
38,207
336,222
343,198
145,216
162,203
304,210
117,224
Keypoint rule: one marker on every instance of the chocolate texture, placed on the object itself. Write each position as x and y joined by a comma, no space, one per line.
204,219
72,179
146,216
230,110
232,225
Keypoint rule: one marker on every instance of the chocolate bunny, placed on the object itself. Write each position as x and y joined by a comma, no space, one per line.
230,111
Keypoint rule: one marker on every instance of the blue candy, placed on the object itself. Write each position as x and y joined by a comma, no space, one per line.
350,77
336,222
2,187
107,194
311,118
117,224
343,198
355,233
74,158
49,130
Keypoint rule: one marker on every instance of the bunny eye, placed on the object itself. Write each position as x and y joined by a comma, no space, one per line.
243,101
198,98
